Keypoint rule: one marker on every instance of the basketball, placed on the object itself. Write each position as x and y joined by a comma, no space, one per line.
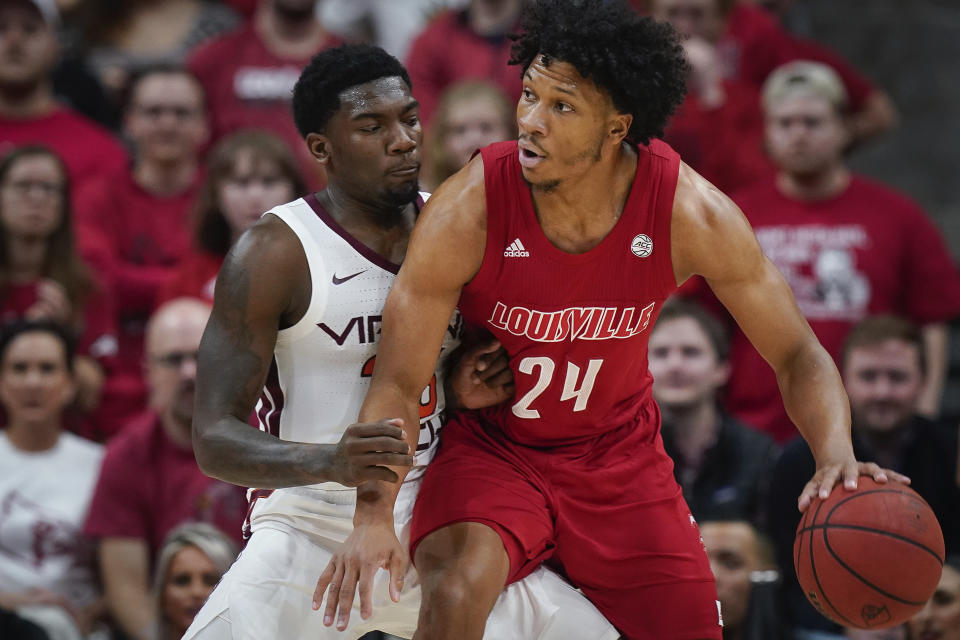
869,558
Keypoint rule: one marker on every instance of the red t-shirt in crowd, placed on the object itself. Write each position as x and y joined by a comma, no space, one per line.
868,250
725,143
248,86
194,277
755,44
88,150
96,332
448,51
149,484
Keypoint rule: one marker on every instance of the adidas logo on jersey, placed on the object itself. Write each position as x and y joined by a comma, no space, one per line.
516,250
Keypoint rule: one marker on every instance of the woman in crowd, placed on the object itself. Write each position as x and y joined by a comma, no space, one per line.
47,572
248,173
41,275
470,115
192,560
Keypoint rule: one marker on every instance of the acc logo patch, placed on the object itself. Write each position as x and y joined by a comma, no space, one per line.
642,245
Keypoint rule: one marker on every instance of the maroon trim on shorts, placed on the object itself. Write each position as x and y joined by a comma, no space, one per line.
255,494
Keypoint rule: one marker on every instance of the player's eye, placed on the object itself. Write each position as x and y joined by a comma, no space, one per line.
563,107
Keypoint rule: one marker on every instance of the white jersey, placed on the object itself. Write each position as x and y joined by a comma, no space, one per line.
323,364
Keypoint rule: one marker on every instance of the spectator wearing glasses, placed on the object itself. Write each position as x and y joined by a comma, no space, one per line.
134,226
150,482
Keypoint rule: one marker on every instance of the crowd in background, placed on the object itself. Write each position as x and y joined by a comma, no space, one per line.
140,139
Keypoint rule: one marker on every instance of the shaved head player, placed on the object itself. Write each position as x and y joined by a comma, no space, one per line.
564,245
294,332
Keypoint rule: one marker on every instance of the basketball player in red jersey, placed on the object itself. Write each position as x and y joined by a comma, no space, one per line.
564,245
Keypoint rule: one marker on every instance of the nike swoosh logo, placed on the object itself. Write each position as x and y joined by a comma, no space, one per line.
337,280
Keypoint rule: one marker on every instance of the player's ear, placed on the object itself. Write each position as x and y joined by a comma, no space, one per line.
620,126
319,146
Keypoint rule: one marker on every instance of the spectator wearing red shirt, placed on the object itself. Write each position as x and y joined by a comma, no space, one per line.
248,74
41,275
150,482
248,173
29,114
464,45
751,44
847,246
134,225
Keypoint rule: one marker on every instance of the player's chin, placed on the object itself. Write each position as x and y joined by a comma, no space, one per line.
402,194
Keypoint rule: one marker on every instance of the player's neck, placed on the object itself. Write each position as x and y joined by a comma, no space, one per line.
165,178
33,438
579,212
821,185
694,427
288,36
383,229
28,102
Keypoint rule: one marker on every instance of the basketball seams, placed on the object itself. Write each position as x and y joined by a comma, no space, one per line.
889,534
816,578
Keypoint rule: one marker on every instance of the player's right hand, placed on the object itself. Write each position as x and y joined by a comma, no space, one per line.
367,449
369,547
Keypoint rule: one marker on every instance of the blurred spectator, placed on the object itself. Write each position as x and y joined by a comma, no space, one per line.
848,247
192,560
41,275
389,25
718,130
248,173
47,572
122,38
150,481
883,372
746,581
470,115
134,226
463,45
940,618
722,464
750,45
249,74
29,112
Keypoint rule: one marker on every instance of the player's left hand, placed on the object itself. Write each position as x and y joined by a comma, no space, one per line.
828,475
482,377
368,547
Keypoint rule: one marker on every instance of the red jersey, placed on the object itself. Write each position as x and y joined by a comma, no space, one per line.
575,325
248,86
85,147
194,277
865,251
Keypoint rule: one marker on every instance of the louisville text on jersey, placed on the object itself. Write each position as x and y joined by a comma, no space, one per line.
573,323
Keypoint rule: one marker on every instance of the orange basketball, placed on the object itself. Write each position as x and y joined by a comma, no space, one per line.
869,558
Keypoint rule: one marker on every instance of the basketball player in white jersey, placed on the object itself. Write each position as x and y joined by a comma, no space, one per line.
296,323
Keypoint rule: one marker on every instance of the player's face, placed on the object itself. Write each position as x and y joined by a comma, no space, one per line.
691,18
190,578
884,383
255,185
32,197
563,121
166,118
471,125
374,141
172,345
35,383
732,550
805,135
684,364
28,47
940,618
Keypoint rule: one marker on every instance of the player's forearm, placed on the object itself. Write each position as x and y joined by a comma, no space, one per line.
815,400
230,450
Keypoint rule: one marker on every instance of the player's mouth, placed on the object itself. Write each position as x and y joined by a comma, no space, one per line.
529,157
405,170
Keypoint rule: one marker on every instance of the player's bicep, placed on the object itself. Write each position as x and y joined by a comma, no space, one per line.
252,293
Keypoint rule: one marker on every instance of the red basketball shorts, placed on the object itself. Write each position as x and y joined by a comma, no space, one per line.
606,513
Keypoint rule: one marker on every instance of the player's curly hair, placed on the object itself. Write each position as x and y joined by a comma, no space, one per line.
316,96
637,60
